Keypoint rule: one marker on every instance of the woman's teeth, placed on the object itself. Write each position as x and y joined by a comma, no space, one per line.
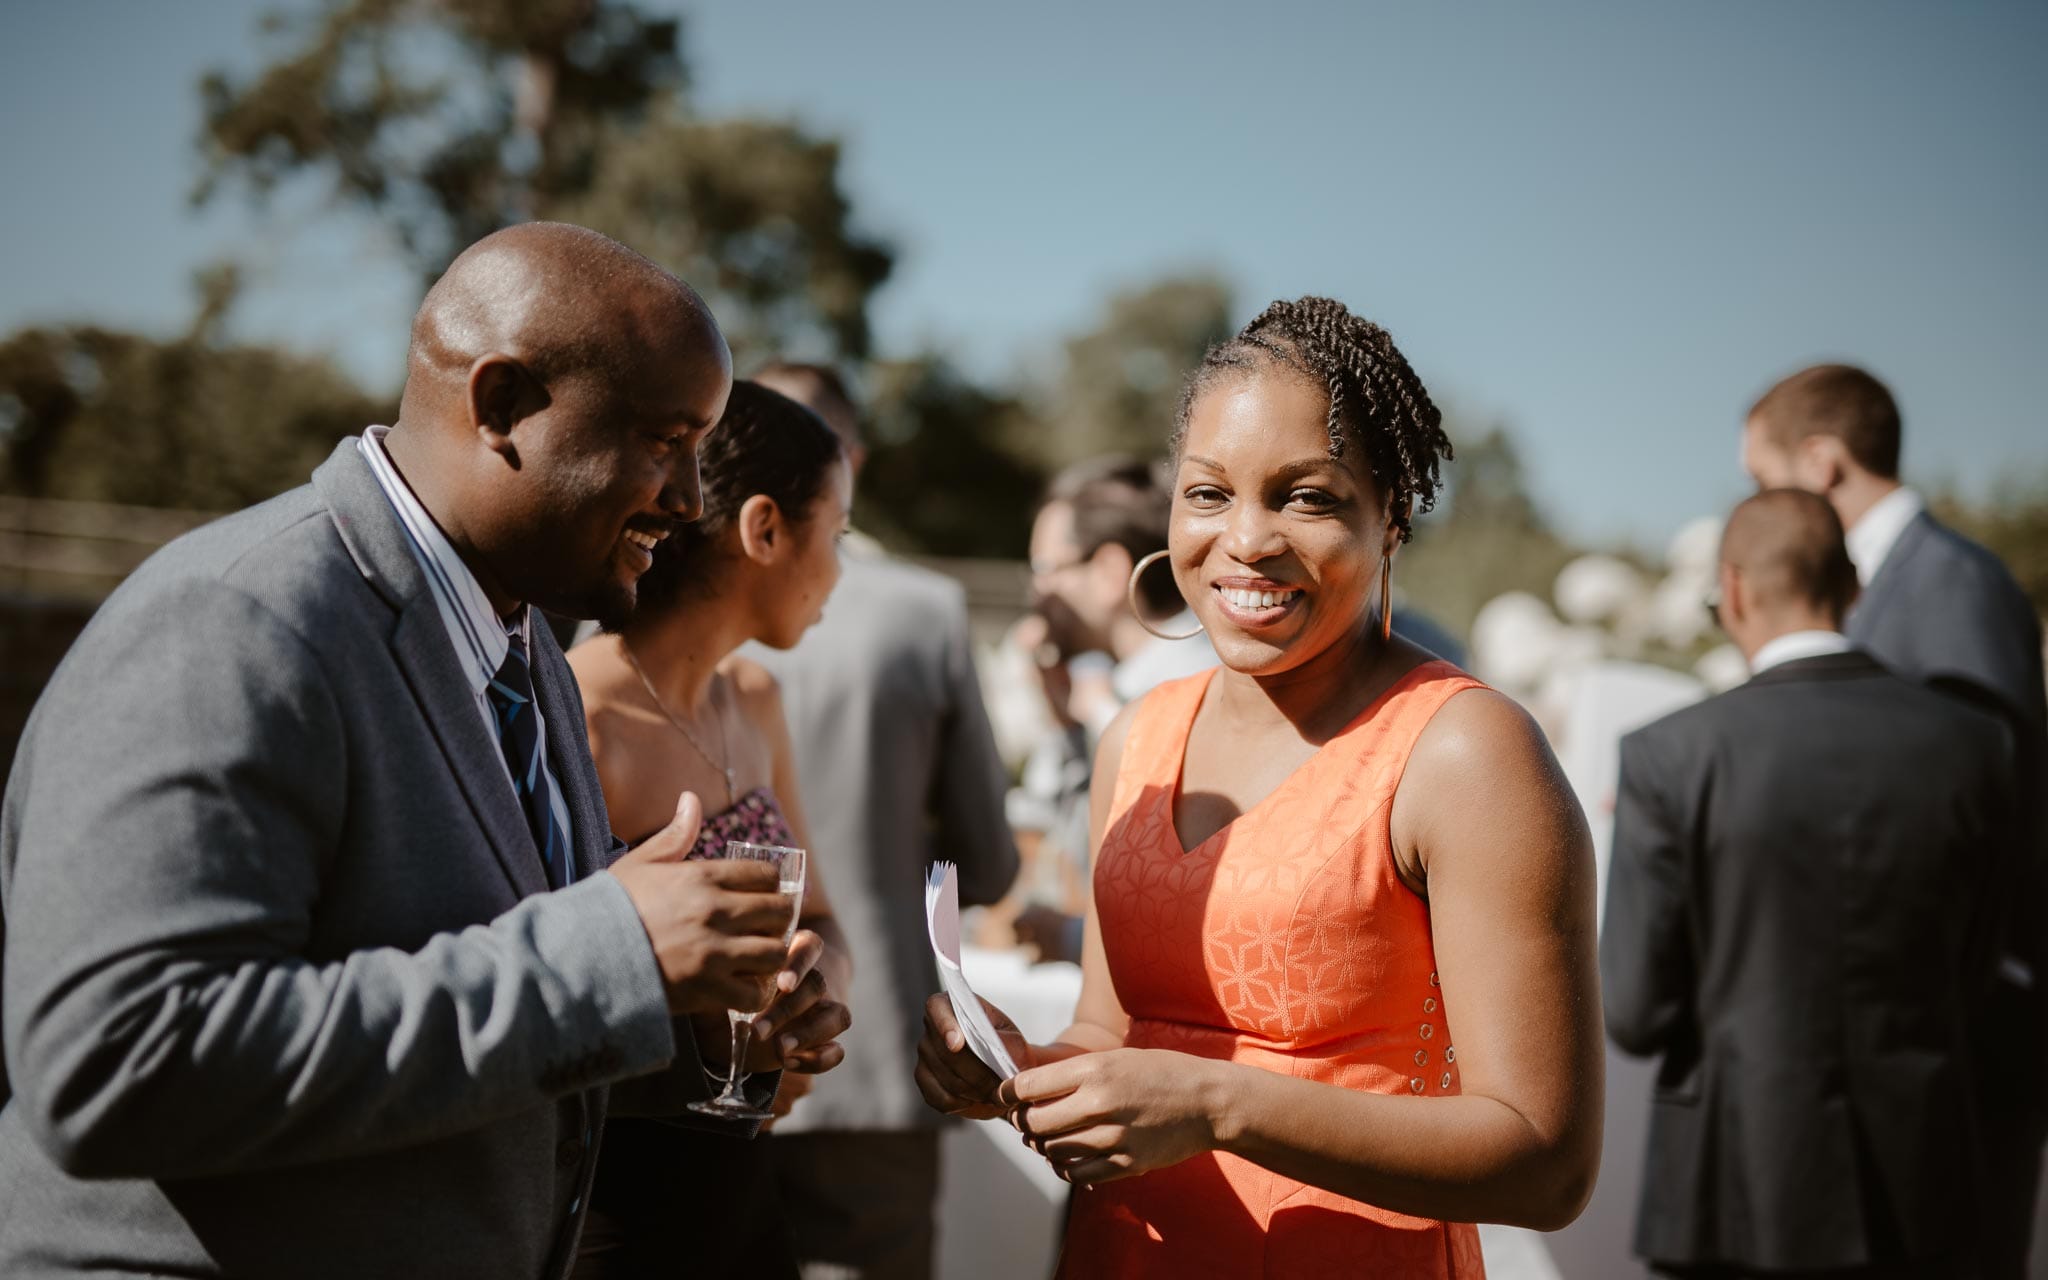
1257,599
644,541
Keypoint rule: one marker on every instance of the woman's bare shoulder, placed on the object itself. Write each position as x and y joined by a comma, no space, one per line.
754,688
1482,778
1480,729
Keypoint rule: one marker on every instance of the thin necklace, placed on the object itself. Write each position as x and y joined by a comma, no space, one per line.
731,792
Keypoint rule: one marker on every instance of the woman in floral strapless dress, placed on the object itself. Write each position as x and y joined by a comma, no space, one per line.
1339,998
670,709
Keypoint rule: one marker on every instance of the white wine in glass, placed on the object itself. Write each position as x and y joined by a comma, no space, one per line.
789,864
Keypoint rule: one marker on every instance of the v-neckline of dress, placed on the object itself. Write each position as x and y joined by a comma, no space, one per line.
1187,728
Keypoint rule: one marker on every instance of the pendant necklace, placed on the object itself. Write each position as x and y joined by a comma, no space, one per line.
725,770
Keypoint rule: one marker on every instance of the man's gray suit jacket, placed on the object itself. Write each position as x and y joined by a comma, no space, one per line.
1945,611
898,766
284,992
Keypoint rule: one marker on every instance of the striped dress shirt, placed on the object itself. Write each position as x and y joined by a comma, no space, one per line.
481,638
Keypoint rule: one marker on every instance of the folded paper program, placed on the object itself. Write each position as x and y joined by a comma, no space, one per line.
942,914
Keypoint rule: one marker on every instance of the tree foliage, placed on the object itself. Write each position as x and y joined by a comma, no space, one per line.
445,120
1487,535
1121,380
2013,522
948,470
194,422
751,213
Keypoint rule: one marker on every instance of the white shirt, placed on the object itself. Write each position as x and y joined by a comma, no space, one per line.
1794,645
480,637
1877,531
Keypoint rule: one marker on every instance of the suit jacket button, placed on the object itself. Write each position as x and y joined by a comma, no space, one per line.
569,1154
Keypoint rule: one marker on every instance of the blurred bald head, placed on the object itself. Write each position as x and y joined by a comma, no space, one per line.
820,389
1784,567
556,387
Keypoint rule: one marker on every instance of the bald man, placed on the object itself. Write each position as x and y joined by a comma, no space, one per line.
317,962
1800,922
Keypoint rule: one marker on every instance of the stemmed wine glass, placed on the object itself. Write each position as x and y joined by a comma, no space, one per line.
789,864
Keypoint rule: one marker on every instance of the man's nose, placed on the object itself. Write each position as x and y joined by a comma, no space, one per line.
683,495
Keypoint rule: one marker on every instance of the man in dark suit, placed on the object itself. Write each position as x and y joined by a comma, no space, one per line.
1800,924
314,965
1938,608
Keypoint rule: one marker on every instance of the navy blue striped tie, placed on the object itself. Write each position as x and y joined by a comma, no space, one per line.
511,695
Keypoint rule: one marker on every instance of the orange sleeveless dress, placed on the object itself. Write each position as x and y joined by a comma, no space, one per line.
1285,941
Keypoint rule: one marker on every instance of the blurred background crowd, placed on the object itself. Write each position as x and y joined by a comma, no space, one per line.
1599,232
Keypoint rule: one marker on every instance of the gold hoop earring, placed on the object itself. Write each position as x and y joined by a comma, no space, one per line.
1131,597
1386,598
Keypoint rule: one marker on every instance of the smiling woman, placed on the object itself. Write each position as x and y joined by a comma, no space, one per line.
1340,996
670,708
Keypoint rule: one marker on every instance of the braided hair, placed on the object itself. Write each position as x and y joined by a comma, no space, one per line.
1376,401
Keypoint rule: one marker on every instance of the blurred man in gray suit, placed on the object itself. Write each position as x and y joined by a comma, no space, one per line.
898,766
313,963
1938,608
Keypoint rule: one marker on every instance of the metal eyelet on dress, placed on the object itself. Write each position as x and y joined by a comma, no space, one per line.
1432,979
1427,1031
1429,1005
1447,1080
1450,1053
1417,1085
1422,1057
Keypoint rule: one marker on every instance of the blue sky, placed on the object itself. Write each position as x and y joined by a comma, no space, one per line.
1608,226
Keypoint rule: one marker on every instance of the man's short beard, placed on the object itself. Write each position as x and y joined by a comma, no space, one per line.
612,607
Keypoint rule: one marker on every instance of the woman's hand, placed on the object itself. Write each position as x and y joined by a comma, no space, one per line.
948,1074
799,1031
1119,1112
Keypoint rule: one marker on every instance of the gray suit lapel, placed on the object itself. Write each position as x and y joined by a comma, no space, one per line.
1871,605
428,661
370,530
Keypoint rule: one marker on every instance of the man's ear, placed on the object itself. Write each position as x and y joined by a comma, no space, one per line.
1734,604
1823,463
761,531
501,393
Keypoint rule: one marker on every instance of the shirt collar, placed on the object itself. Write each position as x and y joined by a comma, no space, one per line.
1873,536
1794,645
481,638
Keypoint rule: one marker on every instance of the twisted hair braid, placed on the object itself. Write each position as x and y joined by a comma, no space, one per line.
1376,401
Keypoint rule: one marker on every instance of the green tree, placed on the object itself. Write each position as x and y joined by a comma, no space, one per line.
194,422
947,472
448,119
1486,536
1121,380
2013,522
751,213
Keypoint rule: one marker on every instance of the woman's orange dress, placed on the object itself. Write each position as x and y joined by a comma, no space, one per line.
1284,941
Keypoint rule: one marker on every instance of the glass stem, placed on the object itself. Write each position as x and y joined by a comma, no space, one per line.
732,1073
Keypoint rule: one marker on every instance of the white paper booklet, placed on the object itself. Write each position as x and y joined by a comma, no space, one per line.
942,914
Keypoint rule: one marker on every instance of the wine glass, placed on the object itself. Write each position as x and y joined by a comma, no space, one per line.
789,865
